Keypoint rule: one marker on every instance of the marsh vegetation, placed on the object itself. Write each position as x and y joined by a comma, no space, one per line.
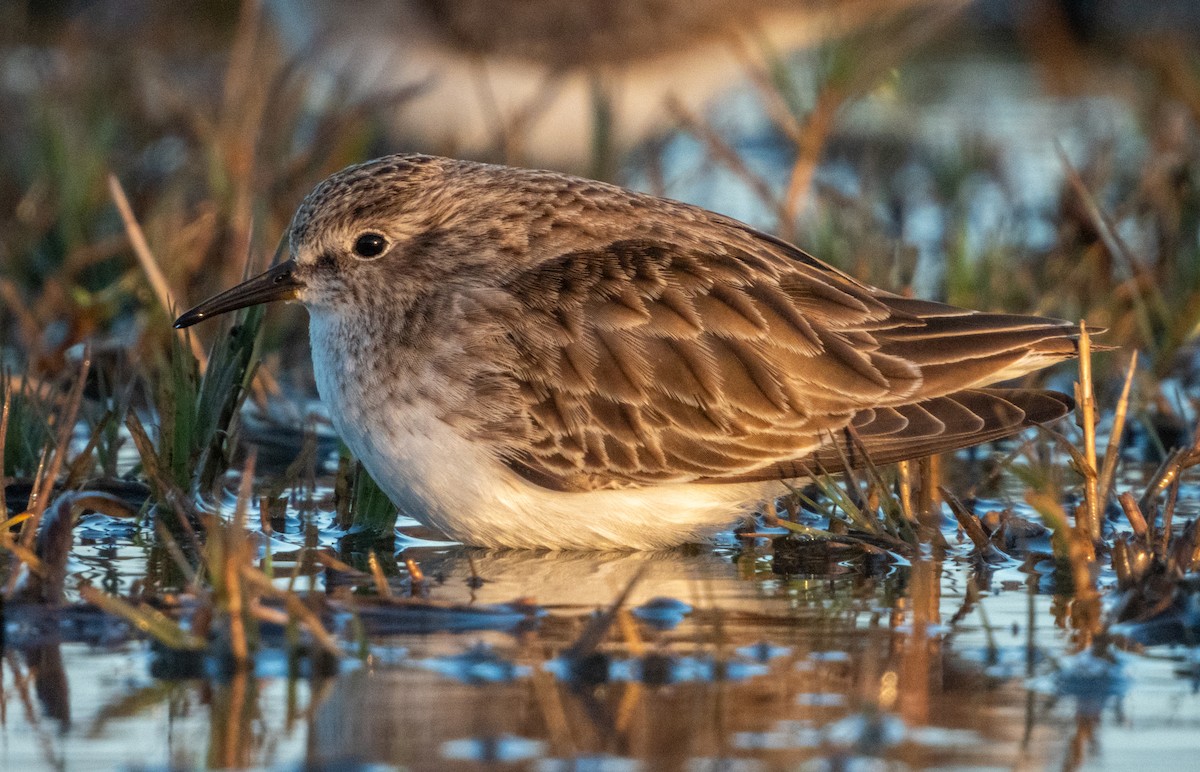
196,574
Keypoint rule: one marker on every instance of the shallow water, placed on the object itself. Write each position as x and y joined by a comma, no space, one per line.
741,668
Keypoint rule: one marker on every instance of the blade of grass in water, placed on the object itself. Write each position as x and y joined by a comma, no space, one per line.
145,618
198,412
361,503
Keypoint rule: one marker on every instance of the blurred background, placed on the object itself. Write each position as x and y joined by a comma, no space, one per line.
1032,155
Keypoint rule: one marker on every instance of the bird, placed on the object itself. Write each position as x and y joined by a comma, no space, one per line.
560,82
528,359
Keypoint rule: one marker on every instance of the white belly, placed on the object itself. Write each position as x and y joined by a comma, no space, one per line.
446,482
455,486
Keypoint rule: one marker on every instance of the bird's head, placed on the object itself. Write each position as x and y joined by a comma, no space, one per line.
365,231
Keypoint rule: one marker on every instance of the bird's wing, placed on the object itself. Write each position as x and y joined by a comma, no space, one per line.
648,361
939,425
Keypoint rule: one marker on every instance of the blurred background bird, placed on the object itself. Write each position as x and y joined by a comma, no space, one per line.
569,85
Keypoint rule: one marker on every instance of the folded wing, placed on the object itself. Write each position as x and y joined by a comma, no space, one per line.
651,360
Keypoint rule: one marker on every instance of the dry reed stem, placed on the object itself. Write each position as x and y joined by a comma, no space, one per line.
775,106
27,383
969,522
631,698
1112,452
720,151
143,617
929,475
329,561
504,136
269,615
1054,516
1085,397
1102,222
244,104
295,606
598,625
816,132
629,633
1133,513
1176,462
1141,276
37,477
235,749
66,427
1168,514
546,696
381,583
141,250
84,461
22,682
415,574
1073,545
904,472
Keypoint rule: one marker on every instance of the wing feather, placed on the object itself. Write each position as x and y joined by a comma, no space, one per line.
642,361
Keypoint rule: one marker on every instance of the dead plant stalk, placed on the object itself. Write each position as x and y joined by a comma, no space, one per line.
141,249
1108,469
1085,396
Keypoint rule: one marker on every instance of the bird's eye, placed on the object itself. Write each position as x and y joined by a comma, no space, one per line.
370,245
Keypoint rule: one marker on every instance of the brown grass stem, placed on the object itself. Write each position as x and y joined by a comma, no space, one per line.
415,574
1055,517
145,258
145,618
329,561
66,427
929,474
1112,451
28,325
720,151
1176,462
969,522
904,473
1133,513
295,606
381,583
774,103
24,554
1085,397
1116,246
815,134
1168,514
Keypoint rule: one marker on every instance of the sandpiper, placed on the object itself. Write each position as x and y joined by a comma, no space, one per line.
553,81
528,359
